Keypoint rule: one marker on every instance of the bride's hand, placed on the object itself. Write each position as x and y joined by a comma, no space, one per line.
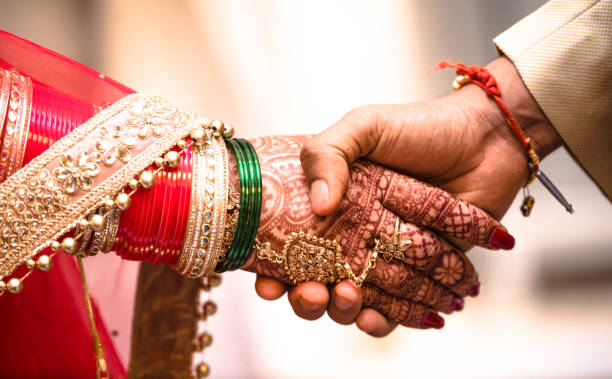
434,275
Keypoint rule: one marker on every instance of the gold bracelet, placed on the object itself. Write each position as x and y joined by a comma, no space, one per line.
231,222
220,203
5,94
17,124
194,243
112,226
309,258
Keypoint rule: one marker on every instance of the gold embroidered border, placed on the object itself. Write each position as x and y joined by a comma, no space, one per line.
36,233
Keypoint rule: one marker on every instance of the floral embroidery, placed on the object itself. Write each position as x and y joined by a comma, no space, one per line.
450,271
115,143
77,173
147,119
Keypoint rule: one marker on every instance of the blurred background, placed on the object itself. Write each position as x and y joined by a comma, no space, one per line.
287,67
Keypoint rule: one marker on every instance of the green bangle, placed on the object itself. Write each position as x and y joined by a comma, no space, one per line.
243,216
241,246
254,202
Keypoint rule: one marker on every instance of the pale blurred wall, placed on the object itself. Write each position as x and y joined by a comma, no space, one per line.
279,67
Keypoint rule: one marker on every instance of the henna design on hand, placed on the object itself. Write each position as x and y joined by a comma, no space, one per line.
432,272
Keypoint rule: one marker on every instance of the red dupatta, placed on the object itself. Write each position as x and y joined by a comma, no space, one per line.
44,331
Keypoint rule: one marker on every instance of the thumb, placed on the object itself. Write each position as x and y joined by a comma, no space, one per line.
327,156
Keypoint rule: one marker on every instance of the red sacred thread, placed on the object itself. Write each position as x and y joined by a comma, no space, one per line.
484,79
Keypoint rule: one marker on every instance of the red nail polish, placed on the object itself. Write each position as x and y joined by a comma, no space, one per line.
501,239
457,304
433,320
475,290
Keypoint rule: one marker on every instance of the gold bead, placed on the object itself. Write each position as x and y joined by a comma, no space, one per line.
197,134
30,264
2,285
202,370
44,263
123,201
204,122
218,127
97,222
204,341
215,279
133,183
109,203
146,179
159,161
228,132
84,223
209,308
172,159
69,245
55,246
14,286
181,144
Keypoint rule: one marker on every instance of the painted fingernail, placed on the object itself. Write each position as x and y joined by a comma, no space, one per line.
475,290
319,191
501,239
433,320
457,304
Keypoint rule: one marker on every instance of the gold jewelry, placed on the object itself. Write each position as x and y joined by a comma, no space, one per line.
17,124
112,225
51,194
392,246
5,94
310,258
231,222
221,178
194,244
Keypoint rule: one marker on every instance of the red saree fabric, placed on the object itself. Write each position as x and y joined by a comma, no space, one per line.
44,331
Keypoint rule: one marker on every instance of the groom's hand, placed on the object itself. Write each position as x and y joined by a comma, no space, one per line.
460,143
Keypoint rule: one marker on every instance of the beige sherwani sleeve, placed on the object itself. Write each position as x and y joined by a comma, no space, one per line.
563,52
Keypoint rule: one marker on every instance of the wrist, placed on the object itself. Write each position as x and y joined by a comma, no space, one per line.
530,117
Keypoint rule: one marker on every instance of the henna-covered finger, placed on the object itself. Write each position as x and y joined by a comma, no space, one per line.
431,256
432,207
269,288
374,323
309,300
404,312
345,303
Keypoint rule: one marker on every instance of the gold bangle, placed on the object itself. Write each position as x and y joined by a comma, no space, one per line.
192,255
220,204
5,94
17,124
112,225
231,222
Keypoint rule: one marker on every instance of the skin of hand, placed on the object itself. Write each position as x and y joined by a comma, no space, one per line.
433,276
460,143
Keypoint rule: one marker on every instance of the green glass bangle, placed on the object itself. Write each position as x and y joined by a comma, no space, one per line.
242,248
243,216
254,203
244,205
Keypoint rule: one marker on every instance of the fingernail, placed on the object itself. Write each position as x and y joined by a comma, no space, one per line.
433,320
343,303
501,239
457,304
319,192
475,290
